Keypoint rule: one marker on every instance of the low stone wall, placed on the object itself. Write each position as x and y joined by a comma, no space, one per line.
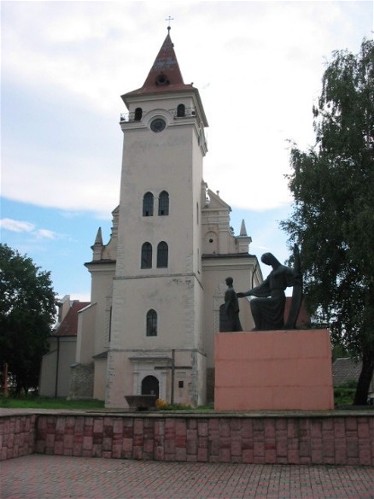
282,439
315,438
17,436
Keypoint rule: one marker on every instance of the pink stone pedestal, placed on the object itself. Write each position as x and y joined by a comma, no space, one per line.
273,370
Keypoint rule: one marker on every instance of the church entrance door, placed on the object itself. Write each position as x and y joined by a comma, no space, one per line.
150,386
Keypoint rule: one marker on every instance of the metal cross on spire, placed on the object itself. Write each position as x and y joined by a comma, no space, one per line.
168,20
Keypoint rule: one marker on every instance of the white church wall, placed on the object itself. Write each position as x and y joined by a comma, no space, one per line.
86,335
215,273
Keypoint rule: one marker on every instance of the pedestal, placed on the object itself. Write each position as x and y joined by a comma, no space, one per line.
273,370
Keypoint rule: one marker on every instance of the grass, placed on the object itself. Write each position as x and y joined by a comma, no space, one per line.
344,394
48,403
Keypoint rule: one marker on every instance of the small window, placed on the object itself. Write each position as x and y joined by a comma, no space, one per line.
146,257
181,111
162,79
138,114
151,322
148,204
162,255
163,204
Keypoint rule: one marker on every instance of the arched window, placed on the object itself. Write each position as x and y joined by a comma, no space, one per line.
181,110
150,386
162,255
138,114
148,204
146,258
151,322
163,203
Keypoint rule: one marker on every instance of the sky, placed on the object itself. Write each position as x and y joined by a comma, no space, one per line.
258,66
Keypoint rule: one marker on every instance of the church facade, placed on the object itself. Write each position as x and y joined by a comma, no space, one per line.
158,284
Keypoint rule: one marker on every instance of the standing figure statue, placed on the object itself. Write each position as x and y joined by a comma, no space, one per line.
268,306
229,316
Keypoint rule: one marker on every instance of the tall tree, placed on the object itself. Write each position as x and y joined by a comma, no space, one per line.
27,311
333,211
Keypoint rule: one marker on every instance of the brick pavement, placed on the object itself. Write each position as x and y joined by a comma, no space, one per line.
57,477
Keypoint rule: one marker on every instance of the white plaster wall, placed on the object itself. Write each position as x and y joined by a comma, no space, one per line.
99,379
85,336
173,298
48,373
101,295
215,273
119,379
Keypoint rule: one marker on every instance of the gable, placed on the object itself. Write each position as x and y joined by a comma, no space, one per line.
69,325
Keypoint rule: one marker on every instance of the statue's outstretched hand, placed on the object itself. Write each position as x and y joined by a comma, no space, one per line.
240,295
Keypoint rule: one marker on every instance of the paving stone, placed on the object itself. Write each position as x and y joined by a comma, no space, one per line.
40,476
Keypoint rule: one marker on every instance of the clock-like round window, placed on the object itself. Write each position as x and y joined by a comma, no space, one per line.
157,125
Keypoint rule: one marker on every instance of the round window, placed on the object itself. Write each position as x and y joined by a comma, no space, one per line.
157,125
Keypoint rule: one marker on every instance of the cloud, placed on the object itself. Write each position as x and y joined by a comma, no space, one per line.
259,72
47,234
81,296
21,226
16,225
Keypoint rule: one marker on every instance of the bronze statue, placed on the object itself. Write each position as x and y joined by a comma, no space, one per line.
268,306
229,311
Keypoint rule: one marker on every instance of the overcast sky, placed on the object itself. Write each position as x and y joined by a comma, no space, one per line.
258,67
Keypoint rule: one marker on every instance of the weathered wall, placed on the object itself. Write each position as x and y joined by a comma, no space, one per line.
17,436
335,439
82,376
305,439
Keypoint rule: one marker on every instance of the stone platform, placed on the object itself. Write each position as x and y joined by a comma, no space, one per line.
273,370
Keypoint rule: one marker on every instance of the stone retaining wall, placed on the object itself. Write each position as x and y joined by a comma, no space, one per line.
282,440
17,436
334,439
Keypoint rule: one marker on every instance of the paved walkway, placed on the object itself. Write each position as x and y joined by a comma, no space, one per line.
57,477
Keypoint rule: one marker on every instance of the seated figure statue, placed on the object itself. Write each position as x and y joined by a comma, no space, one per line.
268,306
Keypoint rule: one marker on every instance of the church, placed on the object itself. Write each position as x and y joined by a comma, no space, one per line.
158,283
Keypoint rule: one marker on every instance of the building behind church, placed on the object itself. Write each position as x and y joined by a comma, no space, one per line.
158,283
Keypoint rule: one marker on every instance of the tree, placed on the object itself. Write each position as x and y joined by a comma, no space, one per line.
333,212
27,311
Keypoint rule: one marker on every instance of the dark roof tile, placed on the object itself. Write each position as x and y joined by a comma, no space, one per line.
69,324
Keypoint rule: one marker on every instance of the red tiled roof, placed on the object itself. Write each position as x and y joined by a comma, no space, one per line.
165,75
69,325
345,369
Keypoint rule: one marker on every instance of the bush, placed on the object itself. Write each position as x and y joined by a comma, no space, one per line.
344,394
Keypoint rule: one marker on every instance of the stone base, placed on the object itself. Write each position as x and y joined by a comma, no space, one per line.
273,370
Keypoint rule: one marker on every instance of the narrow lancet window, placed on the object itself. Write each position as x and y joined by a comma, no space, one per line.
151,322
162,255
148,204
146,256
138,114
181,111
163,204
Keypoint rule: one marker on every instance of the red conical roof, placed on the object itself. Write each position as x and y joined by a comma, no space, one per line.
165,75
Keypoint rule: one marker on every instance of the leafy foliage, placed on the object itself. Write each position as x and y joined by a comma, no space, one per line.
333,213
344,394
27,310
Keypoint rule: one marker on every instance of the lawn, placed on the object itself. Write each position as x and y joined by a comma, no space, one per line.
48,403
343,396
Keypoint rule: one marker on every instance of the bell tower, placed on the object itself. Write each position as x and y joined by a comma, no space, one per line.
156,338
